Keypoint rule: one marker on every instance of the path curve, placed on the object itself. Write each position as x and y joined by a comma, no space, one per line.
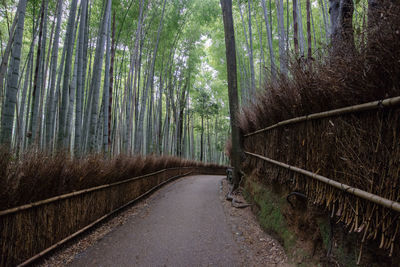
185,225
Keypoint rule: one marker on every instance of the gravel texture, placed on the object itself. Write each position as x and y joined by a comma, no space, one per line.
256,247
185,223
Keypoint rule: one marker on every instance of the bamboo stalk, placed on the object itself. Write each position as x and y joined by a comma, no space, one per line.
356,222
392,241
389,102
330,196
387,203
364,235
382,239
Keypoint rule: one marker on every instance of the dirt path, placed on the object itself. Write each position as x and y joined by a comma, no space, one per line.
185,223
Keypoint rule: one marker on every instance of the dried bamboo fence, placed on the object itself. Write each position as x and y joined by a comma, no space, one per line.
30,231
357,147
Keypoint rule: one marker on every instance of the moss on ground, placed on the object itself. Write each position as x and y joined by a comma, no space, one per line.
324,229
270,212
270,215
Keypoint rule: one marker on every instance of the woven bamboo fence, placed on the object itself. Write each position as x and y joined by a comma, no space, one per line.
357,148
30,231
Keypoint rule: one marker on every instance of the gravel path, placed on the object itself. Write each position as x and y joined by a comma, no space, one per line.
186,223
184,226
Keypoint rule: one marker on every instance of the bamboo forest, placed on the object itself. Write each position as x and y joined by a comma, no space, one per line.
288,109
140,76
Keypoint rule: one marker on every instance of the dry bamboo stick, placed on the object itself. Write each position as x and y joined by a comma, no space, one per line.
330,196
365,234
392,241
387,203
382,239
389,102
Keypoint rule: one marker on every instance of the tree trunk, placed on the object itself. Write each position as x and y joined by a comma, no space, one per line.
65,88
270,45
252,74
243,80
6,54
192,141
202,139
53,73
295,30
313,28
8,111
181,112
309,52
300,28
38,80
209,154
262,58
150,80
226,6
80,79
113,48
324,15
21,113
282,38
96,77
106,89
159,109
72,91
250,89
136,76
342,37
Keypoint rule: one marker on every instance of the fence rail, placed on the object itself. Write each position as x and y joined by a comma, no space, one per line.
360,153
80,192
387,203
389,102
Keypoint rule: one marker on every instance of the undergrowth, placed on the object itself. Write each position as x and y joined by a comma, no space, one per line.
37,175
270,214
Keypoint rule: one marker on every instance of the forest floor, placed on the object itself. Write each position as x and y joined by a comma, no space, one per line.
187,222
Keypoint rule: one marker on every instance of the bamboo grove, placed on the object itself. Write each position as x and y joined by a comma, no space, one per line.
145,76
108,76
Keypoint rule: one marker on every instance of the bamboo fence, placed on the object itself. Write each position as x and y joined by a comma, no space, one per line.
357,147
387,203
30,231
389,102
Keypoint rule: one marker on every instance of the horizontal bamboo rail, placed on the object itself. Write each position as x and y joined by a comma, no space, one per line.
80,192
389,102
387,203
86,228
